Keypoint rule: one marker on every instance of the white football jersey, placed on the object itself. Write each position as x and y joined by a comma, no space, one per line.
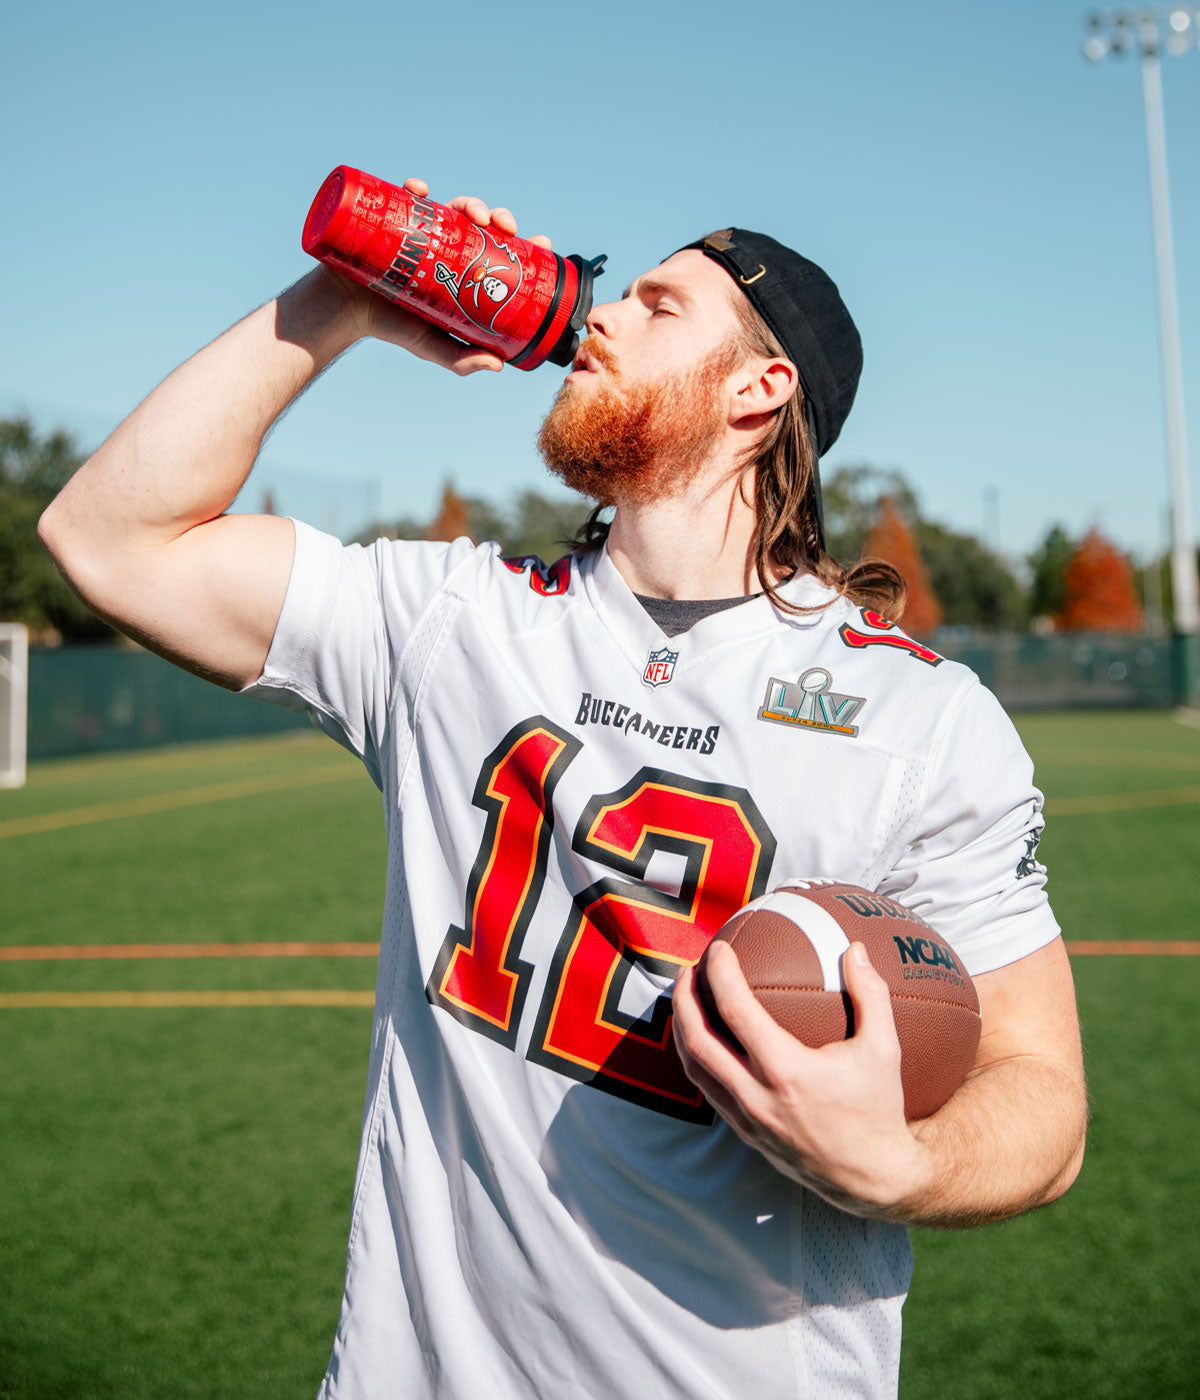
544,1205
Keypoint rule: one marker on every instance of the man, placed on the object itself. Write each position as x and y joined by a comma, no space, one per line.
579,788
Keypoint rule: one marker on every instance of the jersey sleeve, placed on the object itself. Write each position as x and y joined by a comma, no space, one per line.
968,867
347,615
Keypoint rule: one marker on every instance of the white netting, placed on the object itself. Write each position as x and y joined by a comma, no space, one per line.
14,692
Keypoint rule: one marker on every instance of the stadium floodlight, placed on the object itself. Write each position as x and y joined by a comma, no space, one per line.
14,702
1114,34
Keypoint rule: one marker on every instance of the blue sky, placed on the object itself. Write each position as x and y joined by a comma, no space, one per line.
976,189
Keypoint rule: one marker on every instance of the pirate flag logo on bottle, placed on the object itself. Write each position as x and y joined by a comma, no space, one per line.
486,284
507,295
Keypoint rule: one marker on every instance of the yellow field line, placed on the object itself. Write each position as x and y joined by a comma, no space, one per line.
174,758
130,952
124,1001
19,1001
181,797
1122,801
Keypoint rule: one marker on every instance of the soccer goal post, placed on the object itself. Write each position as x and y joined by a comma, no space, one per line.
14,702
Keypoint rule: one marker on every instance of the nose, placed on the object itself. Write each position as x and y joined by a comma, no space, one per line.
602,319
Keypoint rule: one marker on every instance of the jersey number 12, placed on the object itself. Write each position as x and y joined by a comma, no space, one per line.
580,1029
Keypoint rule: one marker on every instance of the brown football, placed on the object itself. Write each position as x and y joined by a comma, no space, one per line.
790,944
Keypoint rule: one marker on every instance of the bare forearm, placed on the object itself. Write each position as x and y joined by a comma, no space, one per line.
183,454
1009,1140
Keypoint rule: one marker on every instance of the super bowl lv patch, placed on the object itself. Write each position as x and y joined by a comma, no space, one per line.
808,703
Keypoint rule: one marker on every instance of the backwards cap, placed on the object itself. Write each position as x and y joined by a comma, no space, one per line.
802,306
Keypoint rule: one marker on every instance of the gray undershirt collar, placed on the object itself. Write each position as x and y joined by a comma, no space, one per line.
674,616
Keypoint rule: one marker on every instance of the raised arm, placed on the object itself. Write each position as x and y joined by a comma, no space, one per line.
140,531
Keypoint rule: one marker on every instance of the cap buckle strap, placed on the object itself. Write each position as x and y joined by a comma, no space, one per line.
734,258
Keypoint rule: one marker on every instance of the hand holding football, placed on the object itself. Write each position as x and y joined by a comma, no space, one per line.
790,943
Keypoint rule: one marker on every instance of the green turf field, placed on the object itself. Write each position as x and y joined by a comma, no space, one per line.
175,1178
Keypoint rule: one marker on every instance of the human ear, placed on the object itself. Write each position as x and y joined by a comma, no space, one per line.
765,386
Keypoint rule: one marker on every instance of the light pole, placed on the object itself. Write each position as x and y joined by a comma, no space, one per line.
1116,34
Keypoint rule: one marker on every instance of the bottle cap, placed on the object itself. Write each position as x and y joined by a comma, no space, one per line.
557,338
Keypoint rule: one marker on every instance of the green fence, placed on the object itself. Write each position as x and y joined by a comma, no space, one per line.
85,699
1065,672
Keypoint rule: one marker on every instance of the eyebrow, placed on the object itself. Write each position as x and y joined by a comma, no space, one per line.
656,286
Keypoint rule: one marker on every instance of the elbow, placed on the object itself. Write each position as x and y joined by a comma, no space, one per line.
59,535
74,552
49,527
66,523
1066,1178
54,533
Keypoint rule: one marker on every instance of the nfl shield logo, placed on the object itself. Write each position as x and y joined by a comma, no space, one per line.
660,667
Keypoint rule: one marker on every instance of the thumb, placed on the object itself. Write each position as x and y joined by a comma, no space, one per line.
869,995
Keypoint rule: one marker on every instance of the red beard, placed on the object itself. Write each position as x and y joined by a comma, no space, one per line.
638,443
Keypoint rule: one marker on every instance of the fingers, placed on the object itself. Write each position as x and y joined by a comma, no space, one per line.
725,1103
470,361
401,327
500,218
425,341
696,1038
453,355
874,1023
767,1045
474,208
707,1056
770,1054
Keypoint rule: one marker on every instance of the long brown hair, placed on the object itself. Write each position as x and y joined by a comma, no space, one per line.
787,537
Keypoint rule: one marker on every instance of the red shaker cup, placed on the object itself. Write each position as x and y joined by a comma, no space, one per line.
490,289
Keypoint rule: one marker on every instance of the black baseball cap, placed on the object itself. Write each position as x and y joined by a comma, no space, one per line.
801,304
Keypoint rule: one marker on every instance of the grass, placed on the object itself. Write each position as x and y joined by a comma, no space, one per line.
1093,1296
175,1184
215,872
176,1202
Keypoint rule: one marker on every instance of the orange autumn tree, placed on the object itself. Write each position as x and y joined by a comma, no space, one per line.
1098,591
891,540
451,520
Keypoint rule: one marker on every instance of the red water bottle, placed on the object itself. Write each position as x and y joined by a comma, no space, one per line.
493,290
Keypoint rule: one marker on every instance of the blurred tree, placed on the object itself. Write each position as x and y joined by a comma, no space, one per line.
406,528
32,591
975,587
487,521
451,520
851,496
544,525
891,540
532,524
1098,594
1048,563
